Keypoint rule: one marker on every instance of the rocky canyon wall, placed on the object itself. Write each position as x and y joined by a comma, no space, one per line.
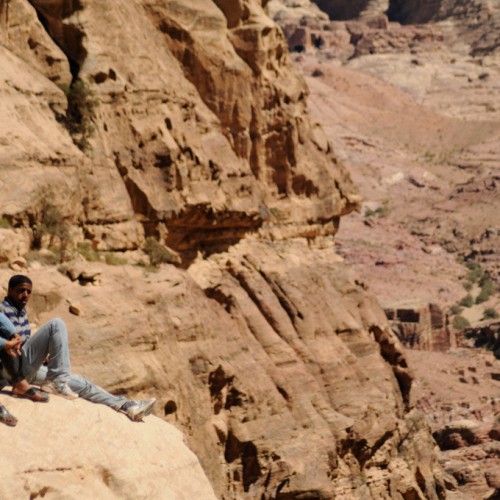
194,131
475,22
191,128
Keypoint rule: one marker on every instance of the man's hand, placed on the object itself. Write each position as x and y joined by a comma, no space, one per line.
13,346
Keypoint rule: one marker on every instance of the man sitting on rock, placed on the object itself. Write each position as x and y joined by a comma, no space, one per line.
23,357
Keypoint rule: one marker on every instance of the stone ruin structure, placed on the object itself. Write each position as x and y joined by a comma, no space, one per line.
421,326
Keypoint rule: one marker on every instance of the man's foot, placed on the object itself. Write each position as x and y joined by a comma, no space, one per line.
59,388
6,417
137,410
32,394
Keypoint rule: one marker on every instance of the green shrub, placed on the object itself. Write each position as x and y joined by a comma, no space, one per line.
378,212
487,285
468,285
467,301
4,223
487,290
475,275
460,323
483,296
490,313
87,252
456,309
471,265
80,113
85,249
159,253
114,260
52,224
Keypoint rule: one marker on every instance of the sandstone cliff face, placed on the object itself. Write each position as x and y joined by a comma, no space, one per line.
196,132
75,449
425,76
277,364
282,394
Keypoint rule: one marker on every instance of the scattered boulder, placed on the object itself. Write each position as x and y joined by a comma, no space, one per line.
79,270
13,244
73,309
495,432
18,264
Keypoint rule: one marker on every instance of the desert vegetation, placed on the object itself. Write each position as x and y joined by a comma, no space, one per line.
80,113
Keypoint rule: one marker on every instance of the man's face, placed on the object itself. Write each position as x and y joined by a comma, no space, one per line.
20,294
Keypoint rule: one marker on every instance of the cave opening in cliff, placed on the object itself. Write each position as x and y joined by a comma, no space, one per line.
401,11
68,37
404,12
396,11
340,10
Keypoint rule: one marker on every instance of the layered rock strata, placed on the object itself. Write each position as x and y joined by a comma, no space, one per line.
281,393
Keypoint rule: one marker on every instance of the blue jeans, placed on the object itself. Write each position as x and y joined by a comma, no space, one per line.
52,340
85,389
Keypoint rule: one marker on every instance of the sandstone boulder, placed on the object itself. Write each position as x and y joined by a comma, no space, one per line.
13,244
80,449
495,432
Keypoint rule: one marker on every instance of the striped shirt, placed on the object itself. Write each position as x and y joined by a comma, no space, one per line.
18,318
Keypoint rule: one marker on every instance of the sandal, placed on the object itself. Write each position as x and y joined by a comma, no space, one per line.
6,417
33,395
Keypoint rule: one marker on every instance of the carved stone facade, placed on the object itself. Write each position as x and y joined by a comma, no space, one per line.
421,326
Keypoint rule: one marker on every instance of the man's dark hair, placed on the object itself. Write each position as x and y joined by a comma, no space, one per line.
17,279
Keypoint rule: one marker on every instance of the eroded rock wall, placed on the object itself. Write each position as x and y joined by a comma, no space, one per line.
200,128
282,393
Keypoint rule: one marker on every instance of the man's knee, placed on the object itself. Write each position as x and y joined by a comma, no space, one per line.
57,324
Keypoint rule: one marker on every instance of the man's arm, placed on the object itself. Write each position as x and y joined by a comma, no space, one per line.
10,340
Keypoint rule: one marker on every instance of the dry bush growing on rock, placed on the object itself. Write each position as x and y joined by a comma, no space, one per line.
160,254
80,113
467,301
52,225
490,313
